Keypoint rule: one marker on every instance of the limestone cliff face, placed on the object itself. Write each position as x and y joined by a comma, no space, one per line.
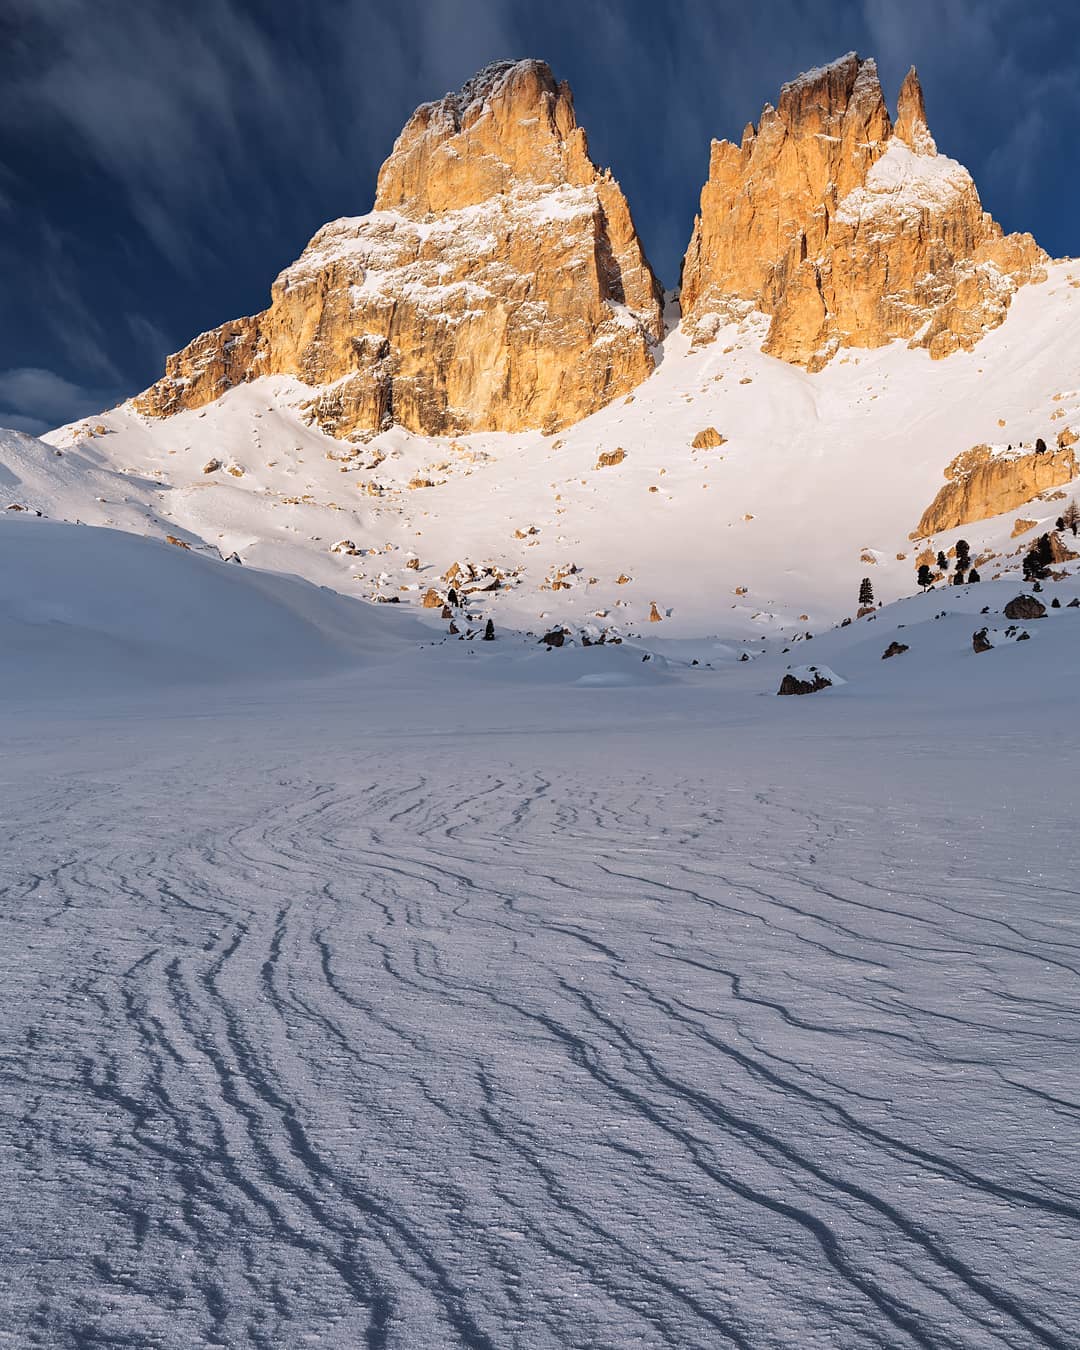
499,283
983,482
848,231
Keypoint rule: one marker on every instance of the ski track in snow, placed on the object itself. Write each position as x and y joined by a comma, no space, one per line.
434,1048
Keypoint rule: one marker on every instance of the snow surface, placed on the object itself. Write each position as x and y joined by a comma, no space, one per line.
905,185
486,996
100,611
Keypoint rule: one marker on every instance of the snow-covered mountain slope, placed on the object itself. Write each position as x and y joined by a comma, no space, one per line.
819,482
99,611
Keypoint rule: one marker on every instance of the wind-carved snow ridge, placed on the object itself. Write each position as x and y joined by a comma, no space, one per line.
439,1041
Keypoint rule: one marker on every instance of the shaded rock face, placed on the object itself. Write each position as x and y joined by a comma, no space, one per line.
1025,607
1059,550
848,231
984,482
792,684
498,284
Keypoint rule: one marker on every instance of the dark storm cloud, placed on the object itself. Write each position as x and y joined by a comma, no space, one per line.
160,162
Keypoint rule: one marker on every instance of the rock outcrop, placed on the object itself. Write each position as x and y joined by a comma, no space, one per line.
848,231
804,680
498,284
987,481
1025,607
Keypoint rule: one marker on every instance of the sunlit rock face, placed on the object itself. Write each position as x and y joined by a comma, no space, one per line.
498,284
847,230
986,481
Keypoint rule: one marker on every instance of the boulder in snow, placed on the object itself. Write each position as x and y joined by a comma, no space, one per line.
808,680
1025,607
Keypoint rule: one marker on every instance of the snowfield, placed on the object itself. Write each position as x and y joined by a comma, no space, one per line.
368,990
820,480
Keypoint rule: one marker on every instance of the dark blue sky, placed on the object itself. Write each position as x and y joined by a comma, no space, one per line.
161,161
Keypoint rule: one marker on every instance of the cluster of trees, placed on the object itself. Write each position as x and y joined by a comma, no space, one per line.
1069,519
1037,562
964,574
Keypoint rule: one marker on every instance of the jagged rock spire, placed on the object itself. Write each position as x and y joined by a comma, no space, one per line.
911,125
846,232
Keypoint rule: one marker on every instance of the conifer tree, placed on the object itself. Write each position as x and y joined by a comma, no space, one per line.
866,592
1037,561
942,561
974,578
924,578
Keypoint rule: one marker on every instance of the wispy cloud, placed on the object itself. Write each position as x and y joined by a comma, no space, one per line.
33,399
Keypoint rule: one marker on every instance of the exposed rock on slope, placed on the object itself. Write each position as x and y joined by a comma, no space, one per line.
499,283
848,231
984,482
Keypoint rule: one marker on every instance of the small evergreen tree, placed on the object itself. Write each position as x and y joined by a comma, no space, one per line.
1040,446
866,592
1037,562
1070,518
942,561
924,577
958,578
489,631
963,555
974,578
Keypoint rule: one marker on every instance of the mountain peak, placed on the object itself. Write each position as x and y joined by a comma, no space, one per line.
499,283
847,232
833,87
911,125
512,123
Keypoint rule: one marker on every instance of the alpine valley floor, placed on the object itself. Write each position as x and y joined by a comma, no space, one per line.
483,996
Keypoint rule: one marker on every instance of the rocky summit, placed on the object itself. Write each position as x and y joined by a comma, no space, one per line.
498,284
848,230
